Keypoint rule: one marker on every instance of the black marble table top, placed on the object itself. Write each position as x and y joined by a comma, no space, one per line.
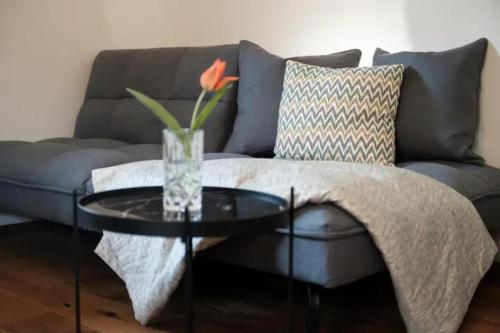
140,211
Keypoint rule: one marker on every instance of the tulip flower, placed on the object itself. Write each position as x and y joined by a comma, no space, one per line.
211,80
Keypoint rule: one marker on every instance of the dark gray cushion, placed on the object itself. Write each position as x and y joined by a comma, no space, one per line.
326,262
37,179
331,248
259,95
480,184
64,164
219,156
4,145
170,75
439,104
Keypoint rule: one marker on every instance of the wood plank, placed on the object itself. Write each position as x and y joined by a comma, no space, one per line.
22,316
57,297
47,323
97,277
485,305
56,259
476,326
13,309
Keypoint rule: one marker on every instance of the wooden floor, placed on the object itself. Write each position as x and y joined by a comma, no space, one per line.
36,295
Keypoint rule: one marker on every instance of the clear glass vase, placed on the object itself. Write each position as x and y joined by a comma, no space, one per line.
182,157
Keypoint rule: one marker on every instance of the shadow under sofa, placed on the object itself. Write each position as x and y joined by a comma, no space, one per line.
332,247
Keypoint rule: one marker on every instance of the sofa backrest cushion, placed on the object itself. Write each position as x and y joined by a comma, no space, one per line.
170,75
439,104
259,95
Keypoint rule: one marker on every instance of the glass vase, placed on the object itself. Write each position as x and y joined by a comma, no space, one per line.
182,157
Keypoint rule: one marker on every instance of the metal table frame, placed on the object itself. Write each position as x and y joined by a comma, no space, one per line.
187,231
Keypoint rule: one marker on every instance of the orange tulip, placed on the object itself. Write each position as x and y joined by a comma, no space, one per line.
213,78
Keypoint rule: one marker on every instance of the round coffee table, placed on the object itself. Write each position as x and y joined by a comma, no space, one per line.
225,212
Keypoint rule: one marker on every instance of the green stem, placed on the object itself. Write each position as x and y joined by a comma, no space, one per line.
197,107
186,143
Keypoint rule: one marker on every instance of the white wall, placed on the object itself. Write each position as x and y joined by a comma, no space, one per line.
47,46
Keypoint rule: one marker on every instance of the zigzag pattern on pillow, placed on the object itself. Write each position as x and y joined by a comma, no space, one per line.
339,114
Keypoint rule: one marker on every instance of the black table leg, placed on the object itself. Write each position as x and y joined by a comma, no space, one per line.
312,312
290,260
76,263
188,281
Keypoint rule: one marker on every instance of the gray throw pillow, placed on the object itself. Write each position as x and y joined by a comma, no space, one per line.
259,95
439,103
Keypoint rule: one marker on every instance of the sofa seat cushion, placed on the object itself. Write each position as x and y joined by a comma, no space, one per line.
324,221
480,184
218,156
331,248
65,164
329,263
38,179
4,145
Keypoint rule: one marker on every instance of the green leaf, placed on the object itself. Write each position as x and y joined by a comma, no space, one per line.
208,108
166,117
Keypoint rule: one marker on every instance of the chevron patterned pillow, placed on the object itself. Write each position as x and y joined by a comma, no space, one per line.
343,114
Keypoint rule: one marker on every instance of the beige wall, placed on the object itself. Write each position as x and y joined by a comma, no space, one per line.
46,51
46,46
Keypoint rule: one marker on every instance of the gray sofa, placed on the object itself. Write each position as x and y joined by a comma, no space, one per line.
332,248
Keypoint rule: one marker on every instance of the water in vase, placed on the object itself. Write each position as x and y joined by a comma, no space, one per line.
182,154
